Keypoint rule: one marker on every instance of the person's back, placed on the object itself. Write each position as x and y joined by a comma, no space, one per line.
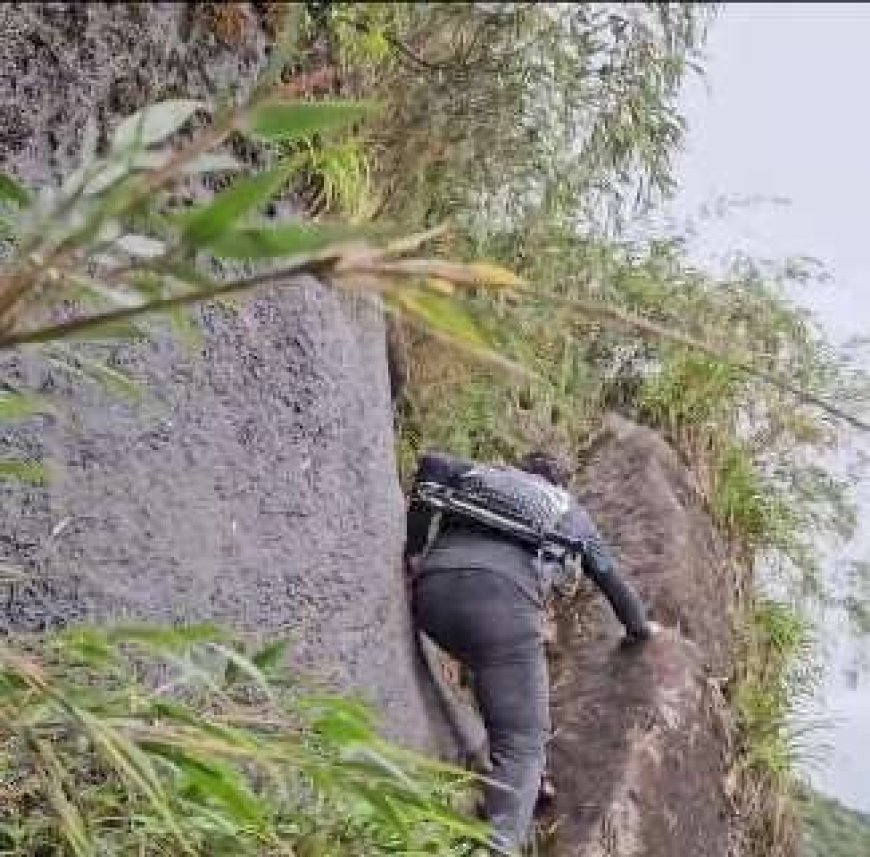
480,594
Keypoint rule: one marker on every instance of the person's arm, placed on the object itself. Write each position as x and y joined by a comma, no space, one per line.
626,603
599,566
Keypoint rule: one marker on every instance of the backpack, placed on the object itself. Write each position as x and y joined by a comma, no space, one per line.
508,500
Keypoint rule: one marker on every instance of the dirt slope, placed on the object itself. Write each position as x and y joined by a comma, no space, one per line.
638,755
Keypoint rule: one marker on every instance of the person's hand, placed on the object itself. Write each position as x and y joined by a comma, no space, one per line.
651,631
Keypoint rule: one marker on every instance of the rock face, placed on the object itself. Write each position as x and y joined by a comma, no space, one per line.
256,484
64,62
639,755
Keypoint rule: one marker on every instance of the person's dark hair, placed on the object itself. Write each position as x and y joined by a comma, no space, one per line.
551,467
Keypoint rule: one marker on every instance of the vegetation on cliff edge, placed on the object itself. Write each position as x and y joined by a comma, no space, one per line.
542,132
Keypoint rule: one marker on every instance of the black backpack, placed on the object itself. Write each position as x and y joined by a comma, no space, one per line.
508,500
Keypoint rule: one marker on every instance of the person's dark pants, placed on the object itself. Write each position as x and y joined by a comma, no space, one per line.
488,624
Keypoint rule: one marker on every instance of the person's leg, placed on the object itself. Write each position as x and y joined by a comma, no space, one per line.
438,619
486,622
514,699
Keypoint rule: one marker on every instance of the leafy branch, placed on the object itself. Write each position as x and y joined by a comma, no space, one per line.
223,757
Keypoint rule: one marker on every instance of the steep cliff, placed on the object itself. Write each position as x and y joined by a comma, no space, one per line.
255,485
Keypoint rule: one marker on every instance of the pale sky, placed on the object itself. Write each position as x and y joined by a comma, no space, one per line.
787,115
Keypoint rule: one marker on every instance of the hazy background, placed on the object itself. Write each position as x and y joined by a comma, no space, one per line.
786,115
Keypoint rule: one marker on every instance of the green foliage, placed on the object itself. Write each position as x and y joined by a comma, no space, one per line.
832,830
154,124
776,639
204,227
363,33
775,674
343,173
497,114
113,241
539,129
689,390
282,242
277,121
20,406
751,442
12,191
150,741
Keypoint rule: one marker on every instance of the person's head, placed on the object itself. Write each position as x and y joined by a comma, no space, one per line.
555,468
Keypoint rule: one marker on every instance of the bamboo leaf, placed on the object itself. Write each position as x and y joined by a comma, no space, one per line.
93,370
245,667
142,246
215,781
187,275
336,727
369,758
171,711
184,326
54,779
282,241
88,643
166,639
20,470
154,123
12,191
270,656
203,225
444,287
349,707
111,330
489,274
107,176
207,162
444,314
381,805
445,318
20,406
280,120
130,763
475,274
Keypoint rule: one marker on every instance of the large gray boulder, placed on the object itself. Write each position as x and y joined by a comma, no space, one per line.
641,751
255,485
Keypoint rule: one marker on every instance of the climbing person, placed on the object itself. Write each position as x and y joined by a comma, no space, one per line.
487,546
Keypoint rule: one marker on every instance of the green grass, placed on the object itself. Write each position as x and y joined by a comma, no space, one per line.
775,670
775,640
